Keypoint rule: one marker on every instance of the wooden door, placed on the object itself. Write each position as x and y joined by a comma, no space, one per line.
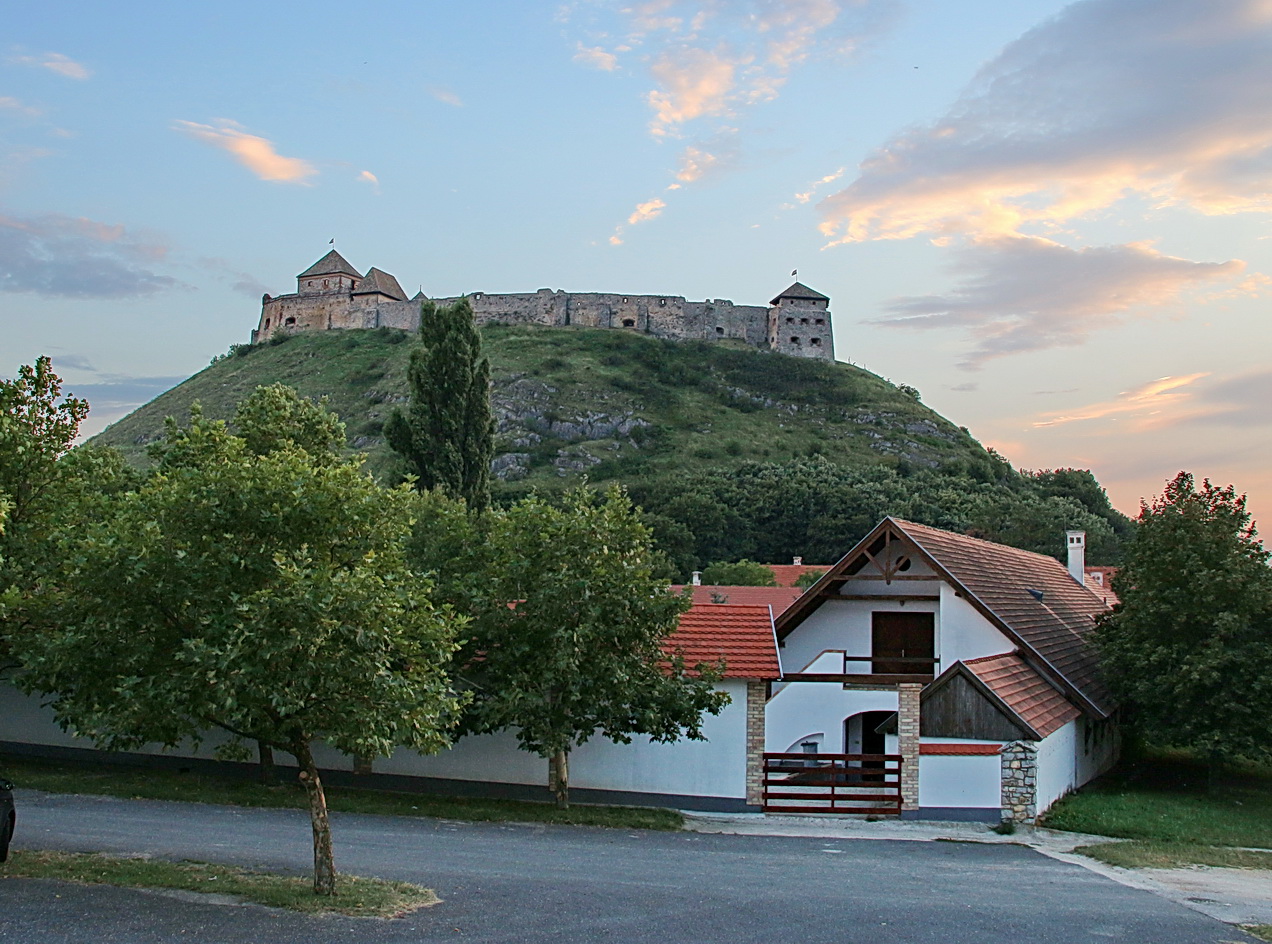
903,636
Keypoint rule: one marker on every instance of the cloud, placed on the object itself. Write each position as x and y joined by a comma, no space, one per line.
9,103
56,62
596,58
1240,401
75,257
1163,100
1026,293
1149,399
369,178
816,184
445,96
255,153
695,82
697,162
646,211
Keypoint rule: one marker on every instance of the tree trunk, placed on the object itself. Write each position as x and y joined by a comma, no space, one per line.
1213,770
266,770
559,778
324,861
362,763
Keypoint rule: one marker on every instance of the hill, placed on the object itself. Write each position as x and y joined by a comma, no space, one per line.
733,452
610,404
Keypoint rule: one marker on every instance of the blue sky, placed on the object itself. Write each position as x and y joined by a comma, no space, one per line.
1051,218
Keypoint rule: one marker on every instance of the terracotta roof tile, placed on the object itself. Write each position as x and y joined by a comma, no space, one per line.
1032,595
779,598
740,635
787,574
960,750
1024,691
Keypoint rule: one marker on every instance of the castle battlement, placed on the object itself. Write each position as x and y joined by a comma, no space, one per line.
332,295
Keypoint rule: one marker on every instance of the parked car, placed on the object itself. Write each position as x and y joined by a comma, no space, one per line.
7,817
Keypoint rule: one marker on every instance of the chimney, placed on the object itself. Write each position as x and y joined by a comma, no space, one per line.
1077,556
798,561
697,578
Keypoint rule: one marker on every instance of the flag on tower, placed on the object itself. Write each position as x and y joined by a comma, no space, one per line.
794,272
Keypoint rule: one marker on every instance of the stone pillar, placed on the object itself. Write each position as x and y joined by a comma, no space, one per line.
1020,781
908,738
755,703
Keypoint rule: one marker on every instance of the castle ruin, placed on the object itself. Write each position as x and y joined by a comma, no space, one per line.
331,295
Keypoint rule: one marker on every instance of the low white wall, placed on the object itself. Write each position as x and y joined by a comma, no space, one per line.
1057,765
964,781
712,768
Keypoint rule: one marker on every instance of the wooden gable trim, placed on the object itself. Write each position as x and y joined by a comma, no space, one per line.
962,672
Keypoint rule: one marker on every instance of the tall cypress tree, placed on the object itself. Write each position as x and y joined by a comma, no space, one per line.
447,434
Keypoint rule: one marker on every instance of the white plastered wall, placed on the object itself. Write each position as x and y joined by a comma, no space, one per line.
715,767
960,781
1057,765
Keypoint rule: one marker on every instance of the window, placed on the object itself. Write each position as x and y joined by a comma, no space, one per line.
290,321
662,302
719,330
815,342
795,340
907,638
325,283
821,321
803,321
629,322
790,320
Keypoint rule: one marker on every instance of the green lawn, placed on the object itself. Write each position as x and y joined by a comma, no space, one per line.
1163,797
360,897
143,783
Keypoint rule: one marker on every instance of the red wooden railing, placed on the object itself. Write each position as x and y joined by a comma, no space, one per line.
866,784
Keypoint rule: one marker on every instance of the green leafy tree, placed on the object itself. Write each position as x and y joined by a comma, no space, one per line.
446,436
264,595
570,641
743,573
808,578
1189,651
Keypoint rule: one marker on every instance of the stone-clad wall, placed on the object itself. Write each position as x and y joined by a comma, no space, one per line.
662,316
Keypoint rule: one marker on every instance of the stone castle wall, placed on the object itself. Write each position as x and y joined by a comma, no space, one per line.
797,326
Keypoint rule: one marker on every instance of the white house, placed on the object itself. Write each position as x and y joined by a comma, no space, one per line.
959,668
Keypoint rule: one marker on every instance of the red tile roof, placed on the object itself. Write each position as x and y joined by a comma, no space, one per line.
1035,701
1030,597
961,750
787,574
779,598
740,635
1099,580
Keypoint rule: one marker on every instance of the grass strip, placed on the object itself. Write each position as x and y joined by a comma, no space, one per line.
1262,931
1165,797
358,897
1174,855
192,787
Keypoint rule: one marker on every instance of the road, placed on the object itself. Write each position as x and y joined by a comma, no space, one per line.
513,883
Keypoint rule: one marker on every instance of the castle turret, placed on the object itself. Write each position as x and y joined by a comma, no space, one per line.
378,284
799,323
328,276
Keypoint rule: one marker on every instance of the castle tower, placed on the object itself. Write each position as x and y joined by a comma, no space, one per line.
378,285
799,323
330,275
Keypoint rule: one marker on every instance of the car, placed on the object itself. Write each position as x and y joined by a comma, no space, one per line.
7,817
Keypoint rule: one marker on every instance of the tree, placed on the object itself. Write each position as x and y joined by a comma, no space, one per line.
446,437
264,595
1189,651
570,640
743,573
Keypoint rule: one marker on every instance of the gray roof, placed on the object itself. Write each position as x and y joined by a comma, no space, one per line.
331,264
800,290
377,280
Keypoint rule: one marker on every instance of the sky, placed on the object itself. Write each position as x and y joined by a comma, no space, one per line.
1054,219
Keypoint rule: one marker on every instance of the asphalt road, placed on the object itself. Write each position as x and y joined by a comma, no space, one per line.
506,883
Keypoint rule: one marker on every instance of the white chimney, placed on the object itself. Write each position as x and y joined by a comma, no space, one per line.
1077,555
697,578
798,561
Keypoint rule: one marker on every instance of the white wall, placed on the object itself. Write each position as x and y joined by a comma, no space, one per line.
715,767
801,709
1057,765
964,633
948,780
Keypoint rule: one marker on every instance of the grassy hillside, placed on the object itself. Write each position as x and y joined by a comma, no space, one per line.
608,404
